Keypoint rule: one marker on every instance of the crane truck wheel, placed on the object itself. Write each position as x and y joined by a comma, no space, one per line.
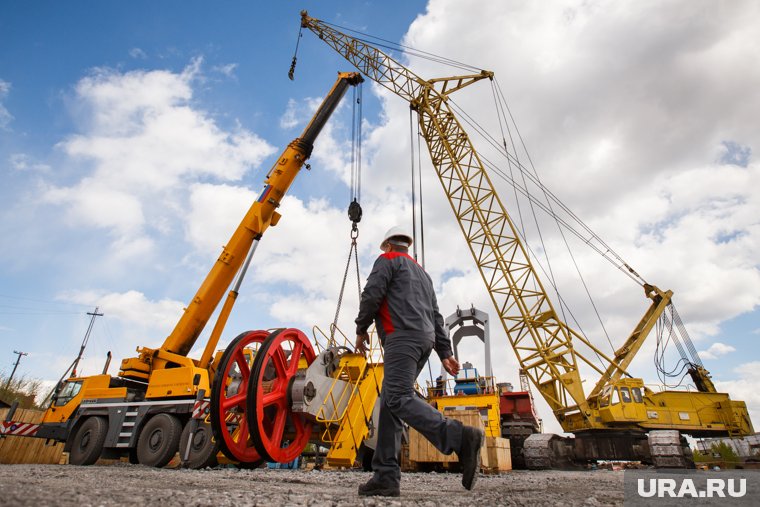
88,441
228,398
278,433
159,440
203,448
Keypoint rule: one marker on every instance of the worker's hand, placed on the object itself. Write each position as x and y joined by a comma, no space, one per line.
451,365
362,341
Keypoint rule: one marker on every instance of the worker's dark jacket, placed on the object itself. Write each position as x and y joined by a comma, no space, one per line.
399,297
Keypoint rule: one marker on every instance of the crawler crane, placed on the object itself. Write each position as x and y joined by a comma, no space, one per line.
620,418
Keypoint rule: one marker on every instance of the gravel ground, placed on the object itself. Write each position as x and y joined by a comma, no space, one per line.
124,484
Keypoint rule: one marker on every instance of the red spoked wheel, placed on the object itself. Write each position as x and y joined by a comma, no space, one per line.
277,432
228,398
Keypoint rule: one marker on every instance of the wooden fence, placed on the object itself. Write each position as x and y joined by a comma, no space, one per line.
26,449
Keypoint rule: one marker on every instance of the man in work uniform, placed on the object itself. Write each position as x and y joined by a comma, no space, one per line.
399,297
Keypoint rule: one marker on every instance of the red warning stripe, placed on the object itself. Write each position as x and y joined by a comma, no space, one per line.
201,409
19,428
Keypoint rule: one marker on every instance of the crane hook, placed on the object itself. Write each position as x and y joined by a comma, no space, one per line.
292,70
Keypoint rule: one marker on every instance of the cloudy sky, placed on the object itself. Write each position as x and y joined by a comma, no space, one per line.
133,137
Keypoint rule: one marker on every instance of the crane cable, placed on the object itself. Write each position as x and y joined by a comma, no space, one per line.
418,173
505,107
422,217
394,46
292,70
671,322
513,162
354,207
416,193
602,248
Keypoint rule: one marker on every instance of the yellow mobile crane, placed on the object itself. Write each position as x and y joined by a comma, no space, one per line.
143,411
614,419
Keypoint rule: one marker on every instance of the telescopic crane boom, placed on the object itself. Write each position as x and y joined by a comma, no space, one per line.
261,215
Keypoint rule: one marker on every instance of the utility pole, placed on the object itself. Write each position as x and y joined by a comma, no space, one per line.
18,360
84,342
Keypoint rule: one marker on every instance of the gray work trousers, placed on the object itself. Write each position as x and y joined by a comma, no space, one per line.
404,358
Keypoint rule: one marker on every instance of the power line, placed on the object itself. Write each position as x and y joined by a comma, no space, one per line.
45,301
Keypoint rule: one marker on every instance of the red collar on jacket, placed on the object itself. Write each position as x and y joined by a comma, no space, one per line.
393,255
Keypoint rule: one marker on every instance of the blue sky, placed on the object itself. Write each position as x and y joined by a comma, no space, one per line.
134,135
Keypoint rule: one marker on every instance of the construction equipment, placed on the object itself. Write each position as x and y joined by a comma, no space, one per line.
519,419
149,408
469,390
269,407
621,418
504,412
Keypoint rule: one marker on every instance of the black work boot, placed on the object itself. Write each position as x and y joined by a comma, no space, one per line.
469,454
375,488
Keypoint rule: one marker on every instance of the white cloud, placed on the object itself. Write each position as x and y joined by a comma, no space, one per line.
290,117
143,321
298,113
23,162
743,387
5,116
95,202
628,123
617,140
215,212
143,139
715,350
305,249
227,69
137,54
332,150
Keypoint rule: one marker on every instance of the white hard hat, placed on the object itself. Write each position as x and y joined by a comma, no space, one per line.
399,232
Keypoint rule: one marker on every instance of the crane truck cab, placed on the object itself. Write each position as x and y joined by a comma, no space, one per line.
623,401
104,416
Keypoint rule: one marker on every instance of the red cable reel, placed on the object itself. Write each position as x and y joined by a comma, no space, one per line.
228,399
278,434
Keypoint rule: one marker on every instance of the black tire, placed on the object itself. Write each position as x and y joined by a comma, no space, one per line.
203,448
88,441
159,440
133,457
